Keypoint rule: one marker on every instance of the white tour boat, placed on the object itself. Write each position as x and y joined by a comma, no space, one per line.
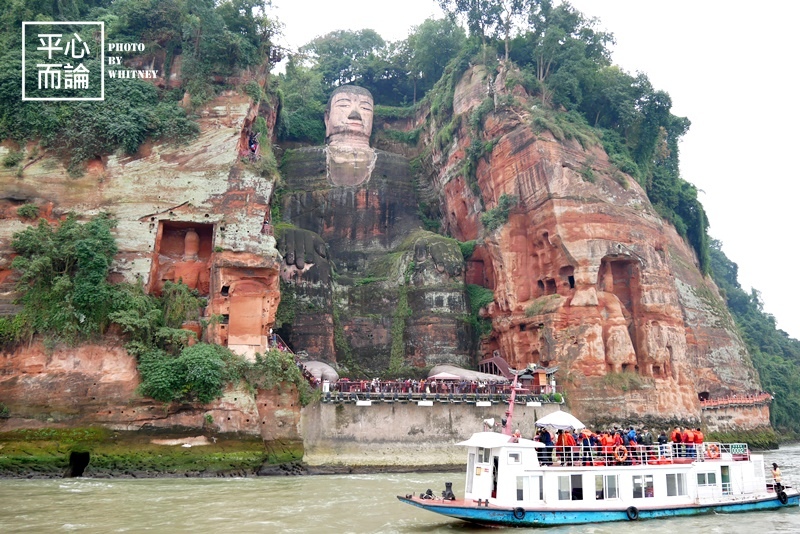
511,481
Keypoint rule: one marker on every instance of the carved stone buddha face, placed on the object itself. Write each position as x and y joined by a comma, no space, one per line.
348,117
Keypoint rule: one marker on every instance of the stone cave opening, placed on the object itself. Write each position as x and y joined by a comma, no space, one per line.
78,461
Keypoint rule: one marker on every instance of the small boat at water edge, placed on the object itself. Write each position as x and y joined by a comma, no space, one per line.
507,485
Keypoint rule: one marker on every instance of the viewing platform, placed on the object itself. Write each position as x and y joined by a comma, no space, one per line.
479,399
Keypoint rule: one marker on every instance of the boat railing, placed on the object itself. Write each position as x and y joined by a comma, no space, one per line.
668,453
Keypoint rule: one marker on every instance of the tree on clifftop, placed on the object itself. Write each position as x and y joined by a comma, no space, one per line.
490,18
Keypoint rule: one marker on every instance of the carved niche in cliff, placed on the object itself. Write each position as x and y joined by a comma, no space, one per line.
246,302
182,253
352,207
242,288
617,294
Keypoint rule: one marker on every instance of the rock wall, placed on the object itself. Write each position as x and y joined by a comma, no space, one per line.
586,275
193,212
738,418
400,434
96,385
394,283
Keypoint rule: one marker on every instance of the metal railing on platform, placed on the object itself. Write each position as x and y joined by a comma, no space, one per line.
415,397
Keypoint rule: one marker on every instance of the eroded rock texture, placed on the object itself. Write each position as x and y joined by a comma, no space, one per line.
359,263
586,275
191,213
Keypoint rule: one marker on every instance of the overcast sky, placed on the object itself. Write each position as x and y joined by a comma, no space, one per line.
730,67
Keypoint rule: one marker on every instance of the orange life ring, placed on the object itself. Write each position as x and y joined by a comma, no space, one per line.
713,451
621,453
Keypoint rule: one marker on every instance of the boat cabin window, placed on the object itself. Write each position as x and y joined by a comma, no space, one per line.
642,486
706,479
676,484
570,488
522,488
484,455
530,488
514,457
606,487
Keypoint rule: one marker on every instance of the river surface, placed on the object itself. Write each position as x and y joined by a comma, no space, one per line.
328,503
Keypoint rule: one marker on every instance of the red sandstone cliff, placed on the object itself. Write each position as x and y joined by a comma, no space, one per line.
194,213
586,275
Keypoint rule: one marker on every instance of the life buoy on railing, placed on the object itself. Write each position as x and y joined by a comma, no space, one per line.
783,497
519,513
621,453
712,451
632,513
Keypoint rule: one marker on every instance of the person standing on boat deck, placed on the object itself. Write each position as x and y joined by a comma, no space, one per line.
662,443
776,477
676,441
547,439
571,446
698,442
688,440
586,446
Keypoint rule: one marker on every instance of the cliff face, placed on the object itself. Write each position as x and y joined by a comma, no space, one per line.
586,276
96,384
194,213
369,284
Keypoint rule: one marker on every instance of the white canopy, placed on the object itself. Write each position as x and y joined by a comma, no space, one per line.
322,371
561,421
466,374
444,376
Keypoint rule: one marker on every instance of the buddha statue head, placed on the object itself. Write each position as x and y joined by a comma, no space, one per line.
348,117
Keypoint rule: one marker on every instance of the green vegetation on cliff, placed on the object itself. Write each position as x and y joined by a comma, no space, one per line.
215,40
66,297
562,60
776,356
63,278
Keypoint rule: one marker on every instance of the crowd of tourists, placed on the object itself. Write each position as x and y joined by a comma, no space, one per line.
421,386
619,446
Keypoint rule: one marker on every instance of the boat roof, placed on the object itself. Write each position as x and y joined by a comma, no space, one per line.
491,440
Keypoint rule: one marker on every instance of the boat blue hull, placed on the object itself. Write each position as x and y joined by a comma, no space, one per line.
533,517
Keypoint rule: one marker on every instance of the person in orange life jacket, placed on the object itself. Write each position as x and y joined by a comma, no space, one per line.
698,442
688,439
676,439
565,442
607,444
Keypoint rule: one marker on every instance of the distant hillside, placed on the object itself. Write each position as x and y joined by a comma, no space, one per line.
775,354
